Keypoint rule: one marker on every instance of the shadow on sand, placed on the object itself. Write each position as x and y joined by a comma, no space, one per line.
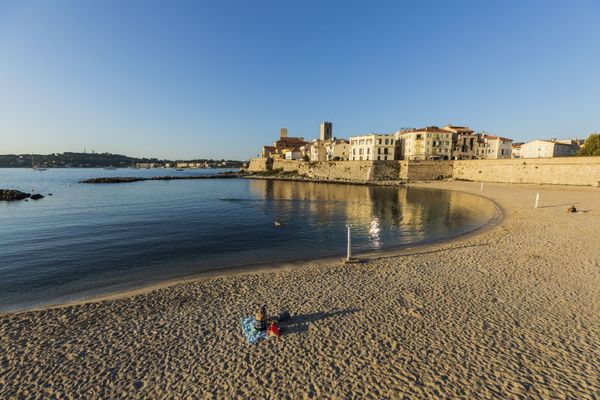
300,323
559,205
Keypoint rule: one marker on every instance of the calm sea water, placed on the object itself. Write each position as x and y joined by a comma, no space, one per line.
89,239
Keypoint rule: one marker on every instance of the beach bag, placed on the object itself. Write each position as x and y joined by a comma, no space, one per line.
274,331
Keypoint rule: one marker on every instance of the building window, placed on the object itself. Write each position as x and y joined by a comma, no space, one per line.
385,151
379,150
378,158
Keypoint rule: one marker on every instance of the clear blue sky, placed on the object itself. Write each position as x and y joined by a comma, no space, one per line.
180,79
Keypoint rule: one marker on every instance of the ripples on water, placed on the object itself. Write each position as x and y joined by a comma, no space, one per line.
95,238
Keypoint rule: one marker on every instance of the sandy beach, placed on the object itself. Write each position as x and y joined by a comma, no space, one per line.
512,311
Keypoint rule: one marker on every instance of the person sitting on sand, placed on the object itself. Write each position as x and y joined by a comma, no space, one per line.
260,319
572,209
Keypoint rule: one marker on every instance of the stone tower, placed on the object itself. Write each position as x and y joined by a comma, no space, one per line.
326,130
283,133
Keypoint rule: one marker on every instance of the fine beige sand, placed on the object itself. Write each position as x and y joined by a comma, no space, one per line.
510,312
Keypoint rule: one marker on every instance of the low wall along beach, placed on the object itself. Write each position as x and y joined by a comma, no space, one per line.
582,171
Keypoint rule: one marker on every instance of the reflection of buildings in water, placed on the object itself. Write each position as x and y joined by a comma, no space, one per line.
327,202
415,213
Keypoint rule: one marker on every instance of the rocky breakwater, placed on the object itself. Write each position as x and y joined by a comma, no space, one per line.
128,179
16,195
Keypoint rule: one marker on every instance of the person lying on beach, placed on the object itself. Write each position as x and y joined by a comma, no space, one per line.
572,209
260,319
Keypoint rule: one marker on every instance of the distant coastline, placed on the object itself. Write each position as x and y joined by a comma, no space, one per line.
105,160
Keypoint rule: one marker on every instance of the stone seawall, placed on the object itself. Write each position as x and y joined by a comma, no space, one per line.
260,164
342,170
425,170
583,171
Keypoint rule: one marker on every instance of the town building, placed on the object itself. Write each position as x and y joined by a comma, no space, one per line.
430,143
464,142
516,150
337,150
494,147
546,149
375,147
318,152
281,146
293,154
576,144
326,131
305,150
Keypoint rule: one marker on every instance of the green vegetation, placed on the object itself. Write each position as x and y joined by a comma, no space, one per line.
591,146
94,160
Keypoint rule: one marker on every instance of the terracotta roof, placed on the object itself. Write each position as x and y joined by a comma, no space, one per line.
493,137
428,129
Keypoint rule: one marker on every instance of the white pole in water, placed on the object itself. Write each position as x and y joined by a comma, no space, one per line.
537,200
481,188
349,252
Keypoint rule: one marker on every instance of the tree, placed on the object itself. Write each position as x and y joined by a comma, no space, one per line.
306,157
591,147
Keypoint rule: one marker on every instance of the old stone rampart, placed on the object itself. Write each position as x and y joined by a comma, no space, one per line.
553,171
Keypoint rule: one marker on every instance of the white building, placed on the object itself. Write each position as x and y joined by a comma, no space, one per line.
494,147
430,143
374,147
546,149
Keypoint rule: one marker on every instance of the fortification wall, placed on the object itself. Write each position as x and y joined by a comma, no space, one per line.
259,164
552,171
340,170
425,170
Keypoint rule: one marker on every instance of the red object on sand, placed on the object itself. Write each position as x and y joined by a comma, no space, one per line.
274,330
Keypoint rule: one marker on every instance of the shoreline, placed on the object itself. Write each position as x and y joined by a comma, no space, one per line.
400,250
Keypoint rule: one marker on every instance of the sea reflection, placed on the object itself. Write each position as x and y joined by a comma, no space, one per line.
380,216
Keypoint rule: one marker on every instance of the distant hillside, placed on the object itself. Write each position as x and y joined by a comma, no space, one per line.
95,160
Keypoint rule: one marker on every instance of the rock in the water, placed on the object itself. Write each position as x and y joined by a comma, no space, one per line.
36,196
12,195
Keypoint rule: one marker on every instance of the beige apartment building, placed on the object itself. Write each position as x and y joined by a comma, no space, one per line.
546,149
430,143
373,147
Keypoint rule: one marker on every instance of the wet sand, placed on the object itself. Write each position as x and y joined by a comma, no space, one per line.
510,312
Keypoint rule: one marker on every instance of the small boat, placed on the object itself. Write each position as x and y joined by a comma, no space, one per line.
179,169
36,167
277,223
110,168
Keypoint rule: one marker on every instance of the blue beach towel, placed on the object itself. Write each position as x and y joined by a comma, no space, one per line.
252,335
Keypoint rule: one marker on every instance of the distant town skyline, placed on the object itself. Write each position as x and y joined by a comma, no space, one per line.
192,80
